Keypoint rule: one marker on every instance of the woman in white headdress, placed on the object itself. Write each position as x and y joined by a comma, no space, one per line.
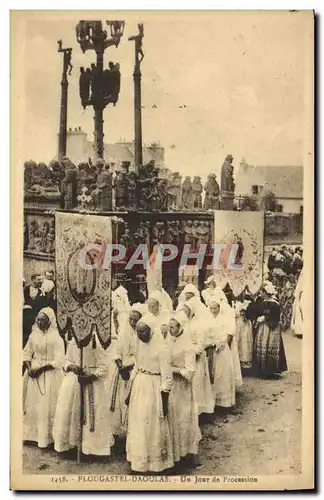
120,309
187,293
183,405
213,291
43,357
148,442
229,312
124,361
224,373
298,307
159,312
97,430
199,325
269,356
244,331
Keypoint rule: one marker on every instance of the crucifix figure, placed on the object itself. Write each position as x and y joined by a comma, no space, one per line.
67,58
67,68
138,43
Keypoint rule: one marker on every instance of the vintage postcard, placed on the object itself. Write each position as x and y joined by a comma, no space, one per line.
162,225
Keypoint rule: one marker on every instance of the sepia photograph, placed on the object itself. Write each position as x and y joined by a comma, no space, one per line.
162,213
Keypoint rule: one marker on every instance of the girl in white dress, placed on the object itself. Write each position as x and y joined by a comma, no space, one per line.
244,335
224,374
218,297
43,356
213,291
183,406
97,436
199,325
148,442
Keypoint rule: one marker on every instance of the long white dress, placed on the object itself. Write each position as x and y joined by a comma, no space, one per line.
224,373
148,442
183,407
121,307
231,330
117,388
97,436
40,395
244,335
199,327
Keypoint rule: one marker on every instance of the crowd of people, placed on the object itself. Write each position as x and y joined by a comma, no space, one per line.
169,364
285,272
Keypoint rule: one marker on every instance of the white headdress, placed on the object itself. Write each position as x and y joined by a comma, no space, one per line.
210,279
138,307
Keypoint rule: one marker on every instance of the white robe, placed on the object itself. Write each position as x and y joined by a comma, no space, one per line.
40,395
67,419
224,372
149,443
117,388
183,407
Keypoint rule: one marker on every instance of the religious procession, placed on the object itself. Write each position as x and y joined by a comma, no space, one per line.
168,364
128,366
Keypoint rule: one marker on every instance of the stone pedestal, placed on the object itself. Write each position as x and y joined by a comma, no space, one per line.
227,201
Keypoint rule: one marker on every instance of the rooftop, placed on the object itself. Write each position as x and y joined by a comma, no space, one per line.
283,180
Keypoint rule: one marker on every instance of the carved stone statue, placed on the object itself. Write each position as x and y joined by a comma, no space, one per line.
197,190
115,82
144,232
44,234
102,195
26,235
172,195
50,247
84,85
96,83
188,236
174,233
158,232
132,190
211,193
203,233
33,228
69,185
227,178
195,233
162,187
186,194
177,178
121,189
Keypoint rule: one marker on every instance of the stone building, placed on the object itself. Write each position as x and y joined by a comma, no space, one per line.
79,149
285,182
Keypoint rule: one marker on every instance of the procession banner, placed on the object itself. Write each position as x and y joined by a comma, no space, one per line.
245,229
83,292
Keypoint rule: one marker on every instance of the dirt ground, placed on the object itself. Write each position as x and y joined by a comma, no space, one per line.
263,436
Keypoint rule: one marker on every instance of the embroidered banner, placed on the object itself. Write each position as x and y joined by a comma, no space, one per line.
83,295
245,229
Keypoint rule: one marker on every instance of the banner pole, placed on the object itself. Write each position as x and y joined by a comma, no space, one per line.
81,409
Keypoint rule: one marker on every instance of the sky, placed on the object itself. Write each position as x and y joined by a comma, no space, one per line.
241,76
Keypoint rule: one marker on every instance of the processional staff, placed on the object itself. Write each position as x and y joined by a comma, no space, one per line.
139,56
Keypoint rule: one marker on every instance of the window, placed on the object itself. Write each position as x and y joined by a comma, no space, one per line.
255,189
279,208
301,210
